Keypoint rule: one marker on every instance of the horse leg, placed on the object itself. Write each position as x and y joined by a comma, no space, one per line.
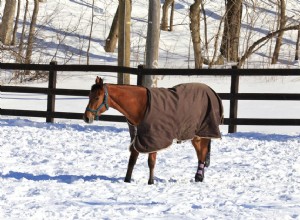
201,146
207,158
132,161
151,164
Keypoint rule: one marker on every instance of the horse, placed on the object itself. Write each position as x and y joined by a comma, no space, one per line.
158,116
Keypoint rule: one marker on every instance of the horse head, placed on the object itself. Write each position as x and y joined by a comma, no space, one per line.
98,101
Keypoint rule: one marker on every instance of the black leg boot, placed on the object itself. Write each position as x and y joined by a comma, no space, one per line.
200,172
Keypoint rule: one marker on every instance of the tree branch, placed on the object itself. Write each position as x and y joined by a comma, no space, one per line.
256,43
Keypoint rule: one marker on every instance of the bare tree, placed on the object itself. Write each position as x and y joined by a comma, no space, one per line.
172,16
251,18
205,25
21,44
164,20
257,43
195,32
112,39
124,39
220,59
31,32
152,42
231,33
13,42
8,22
297,45
281,22
90,36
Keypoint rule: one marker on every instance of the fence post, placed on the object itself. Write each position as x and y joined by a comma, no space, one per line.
51,97
140,75
234,89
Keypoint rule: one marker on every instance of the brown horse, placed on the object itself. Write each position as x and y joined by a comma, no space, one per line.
136,103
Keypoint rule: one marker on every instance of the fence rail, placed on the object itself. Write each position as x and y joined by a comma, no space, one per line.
232,121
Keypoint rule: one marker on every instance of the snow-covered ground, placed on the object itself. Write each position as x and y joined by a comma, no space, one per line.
76,171
71,170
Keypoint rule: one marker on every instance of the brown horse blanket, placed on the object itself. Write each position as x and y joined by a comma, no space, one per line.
181,112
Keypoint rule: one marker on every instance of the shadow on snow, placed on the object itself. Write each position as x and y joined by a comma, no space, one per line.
59,126
60,178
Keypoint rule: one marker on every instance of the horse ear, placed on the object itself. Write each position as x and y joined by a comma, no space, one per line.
99,81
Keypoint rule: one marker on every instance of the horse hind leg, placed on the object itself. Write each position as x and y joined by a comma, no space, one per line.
201,146
207,158
151,164
132,161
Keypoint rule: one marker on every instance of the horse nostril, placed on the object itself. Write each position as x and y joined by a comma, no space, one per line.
87,119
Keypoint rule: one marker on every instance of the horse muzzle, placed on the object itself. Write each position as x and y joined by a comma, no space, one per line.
88,120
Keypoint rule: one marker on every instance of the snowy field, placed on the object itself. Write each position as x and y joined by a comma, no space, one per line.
71,170
76,171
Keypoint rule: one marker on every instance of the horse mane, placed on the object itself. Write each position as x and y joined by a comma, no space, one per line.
100,86
96,87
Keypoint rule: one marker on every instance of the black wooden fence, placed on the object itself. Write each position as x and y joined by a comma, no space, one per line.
232,121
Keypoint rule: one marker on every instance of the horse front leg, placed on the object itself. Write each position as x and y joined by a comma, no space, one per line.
132,161
151,164
201,146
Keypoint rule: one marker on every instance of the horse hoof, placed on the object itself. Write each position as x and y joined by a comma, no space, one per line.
199,178
127,180
150,182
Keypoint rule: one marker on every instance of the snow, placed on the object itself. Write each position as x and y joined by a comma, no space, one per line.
71,170
76,171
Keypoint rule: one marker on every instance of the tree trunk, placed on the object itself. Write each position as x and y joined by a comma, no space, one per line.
205,25
231,33
164,20
13,42
8,22
297,45
152,42
90,36
23,32
195,32
282,22
112,39
32,32
124,39
172,16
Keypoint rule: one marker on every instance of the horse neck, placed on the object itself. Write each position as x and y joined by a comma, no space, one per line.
131,101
